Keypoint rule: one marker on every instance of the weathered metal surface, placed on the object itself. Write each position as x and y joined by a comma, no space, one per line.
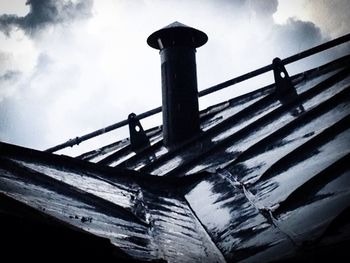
259,184
146,224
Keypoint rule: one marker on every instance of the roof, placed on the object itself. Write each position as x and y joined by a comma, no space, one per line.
266,180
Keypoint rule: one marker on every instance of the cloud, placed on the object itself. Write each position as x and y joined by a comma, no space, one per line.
9,76
8,22
6,82
332,16
44,13
295,36
5,58
263,8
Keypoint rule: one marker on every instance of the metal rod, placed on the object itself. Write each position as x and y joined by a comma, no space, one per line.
236,80
254,73
112,127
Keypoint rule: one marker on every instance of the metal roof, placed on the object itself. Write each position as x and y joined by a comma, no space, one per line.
266,180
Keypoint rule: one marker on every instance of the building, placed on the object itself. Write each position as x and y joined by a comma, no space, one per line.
262,177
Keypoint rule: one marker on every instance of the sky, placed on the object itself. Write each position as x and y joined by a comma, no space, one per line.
69,67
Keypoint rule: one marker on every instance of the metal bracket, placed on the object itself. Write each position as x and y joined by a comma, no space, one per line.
138,137
285,90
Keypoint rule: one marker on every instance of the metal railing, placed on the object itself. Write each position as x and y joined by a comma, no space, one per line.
223,85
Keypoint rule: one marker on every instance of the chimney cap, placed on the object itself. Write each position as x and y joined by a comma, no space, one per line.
177,34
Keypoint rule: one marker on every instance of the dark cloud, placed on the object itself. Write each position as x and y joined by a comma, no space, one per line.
264,8
7,80
8,22
332,15
10,75
46,12
296,36
291,37
7,73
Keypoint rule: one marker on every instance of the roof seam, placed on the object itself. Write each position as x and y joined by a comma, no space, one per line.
298,153
334,170
317,111
219,252
70,190
266,212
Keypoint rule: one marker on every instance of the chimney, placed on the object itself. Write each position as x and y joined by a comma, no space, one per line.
177,44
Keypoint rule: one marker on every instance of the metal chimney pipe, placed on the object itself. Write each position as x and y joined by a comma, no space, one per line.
177,44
